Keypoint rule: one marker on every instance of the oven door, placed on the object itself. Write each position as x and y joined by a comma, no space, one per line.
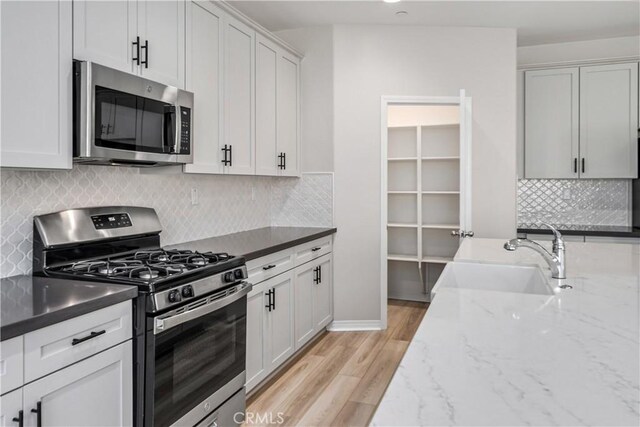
196,357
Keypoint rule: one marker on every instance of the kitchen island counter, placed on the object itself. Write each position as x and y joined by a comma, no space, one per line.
497,358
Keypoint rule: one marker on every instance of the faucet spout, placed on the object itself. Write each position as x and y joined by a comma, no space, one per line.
555,259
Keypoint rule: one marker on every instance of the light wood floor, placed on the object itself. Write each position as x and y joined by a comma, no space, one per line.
340,379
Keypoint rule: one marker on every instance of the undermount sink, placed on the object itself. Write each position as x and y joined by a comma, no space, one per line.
493,277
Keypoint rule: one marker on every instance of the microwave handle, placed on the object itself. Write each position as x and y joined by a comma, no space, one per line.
176,136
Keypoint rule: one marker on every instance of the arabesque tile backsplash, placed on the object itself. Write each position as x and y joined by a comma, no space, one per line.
226,204
574,201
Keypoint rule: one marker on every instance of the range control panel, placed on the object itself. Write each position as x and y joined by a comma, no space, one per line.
117,220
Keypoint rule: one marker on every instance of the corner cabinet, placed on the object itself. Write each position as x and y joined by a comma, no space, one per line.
582,122
35,123
291,302
143,37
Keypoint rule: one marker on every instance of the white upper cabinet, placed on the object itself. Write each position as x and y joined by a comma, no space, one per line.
145,37
204,78
238,155
288,114
104,32
551,123
161,24
609,121
582,122
266,105
35,123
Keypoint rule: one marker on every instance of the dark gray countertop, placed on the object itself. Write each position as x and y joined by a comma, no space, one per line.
28,303
582,230
259,242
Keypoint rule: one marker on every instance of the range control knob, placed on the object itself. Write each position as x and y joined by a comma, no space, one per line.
238,274
228,277
187,291
174,296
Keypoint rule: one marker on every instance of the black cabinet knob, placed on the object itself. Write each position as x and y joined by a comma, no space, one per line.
174,296
187,291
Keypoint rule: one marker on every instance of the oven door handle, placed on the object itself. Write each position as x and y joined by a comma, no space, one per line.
162,324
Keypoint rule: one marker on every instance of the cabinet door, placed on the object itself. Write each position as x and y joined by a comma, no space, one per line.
10,408
36,94
280,320
161,26
551,123
204,78
266,84
323,295
256,354
239,96
288,113
609,121
304,317
104,32
94,392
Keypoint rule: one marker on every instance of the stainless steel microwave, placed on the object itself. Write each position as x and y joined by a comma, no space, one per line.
126,120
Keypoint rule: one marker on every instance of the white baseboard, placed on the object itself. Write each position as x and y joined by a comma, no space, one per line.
354,325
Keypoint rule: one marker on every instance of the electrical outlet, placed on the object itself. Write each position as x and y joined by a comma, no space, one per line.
194,196
566,194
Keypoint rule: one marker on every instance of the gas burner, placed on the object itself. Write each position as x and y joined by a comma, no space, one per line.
148,274
197,260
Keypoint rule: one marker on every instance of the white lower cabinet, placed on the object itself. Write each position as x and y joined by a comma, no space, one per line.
11,409
285,311
95,391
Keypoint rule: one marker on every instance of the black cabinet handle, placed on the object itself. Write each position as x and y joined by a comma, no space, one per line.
575,165
284,160
19,419
92,335
319,274
268,306
146,54
268,267
316,249
583,165
230,155
225,150
273,305
315,275
38,411
137,46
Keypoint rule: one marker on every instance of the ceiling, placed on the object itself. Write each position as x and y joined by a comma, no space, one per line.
538,22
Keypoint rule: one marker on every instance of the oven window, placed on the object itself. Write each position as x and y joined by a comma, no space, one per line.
129,122
195,359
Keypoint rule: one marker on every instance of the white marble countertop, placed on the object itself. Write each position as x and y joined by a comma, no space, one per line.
495,358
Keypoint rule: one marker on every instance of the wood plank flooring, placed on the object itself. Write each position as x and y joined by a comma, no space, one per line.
340,379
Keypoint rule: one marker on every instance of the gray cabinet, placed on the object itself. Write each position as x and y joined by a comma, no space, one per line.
551,123
609,121
145,37
204,78
581,122
97,391
35,107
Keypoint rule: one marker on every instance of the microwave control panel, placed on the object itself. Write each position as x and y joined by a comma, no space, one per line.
185,130
117,220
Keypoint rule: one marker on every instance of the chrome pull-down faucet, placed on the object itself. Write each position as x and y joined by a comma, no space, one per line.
555,258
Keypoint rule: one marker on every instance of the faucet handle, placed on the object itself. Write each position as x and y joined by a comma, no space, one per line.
557,235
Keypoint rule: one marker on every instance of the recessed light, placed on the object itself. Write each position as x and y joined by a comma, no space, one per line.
391,1
402,13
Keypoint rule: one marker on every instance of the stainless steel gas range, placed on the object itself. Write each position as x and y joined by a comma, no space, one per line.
190,315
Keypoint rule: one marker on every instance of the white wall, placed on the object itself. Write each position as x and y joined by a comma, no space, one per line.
372,61
316,43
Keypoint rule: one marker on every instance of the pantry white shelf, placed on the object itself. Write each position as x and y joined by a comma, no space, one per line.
402,192
437,259
400,225
436,158
399,257
442,226
402,159
440,192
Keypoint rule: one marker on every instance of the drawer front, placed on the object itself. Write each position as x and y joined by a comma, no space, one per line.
312,250
268,266
56,346
11,362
